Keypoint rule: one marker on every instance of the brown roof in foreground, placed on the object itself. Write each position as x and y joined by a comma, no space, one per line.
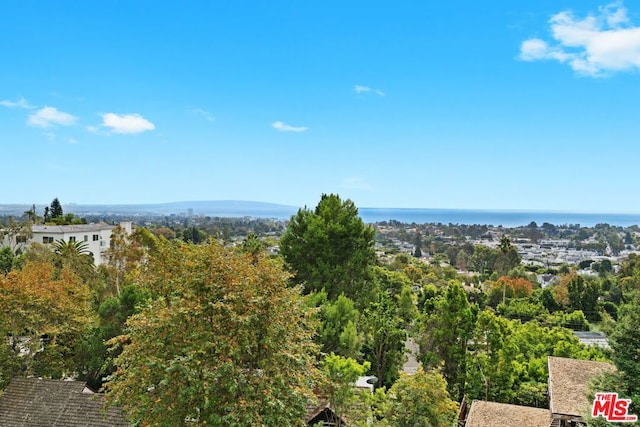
569,382
33,402
492,414
321,411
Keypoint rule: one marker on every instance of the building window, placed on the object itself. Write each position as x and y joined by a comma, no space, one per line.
47,239
96,237
86,238
72,238
21,239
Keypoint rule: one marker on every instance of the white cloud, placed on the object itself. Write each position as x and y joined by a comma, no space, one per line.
366,89
283,127
20,103
204,114
594,46
125,123
49,116
355,183
533,49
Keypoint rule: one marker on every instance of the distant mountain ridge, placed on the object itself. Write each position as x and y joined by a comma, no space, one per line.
231,208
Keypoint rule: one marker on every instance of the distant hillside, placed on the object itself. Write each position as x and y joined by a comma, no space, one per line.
221,208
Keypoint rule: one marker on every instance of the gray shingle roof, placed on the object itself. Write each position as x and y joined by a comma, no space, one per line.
492,414
33,402
569,382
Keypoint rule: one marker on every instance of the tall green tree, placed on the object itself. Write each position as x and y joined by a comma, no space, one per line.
331,248
483,259
125,257
407,307
445,334
385,338
223,341
338,328
55,210
508,256
417,252
583,294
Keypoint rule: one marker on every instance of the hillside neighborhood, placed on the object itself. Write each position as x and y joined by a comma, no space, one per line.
451,296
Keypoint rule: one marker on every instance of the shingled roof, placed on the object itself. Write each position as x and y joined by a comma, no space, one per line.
569,382
493,414
33,402
320,412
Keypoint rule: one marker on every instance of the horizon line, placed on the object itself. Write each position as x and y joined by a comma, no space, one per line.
489,210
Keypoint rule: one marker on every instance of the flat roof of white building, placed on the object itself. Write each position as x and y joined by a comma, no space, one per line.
71,228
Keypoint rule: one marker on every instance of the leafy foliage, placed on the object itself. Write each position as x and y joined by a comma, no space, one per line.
7,258
508,359
125,257
43,315
420,400
507,258
223,341
338,332
444,336
96,361
509,287
583,294
341,374
385,339
330,248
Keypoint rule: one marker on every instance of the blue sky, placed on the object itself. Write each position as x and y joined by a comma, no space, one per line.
458,104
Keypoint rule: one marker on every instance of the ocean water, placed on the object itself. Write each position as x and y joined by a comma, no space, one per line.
506,218
496,217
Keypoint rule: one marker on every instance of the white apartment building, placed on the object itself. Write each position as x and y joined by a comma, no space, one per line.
96,236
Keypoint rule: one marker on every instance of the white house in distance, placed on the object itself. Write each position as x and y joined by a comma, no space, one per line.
96,236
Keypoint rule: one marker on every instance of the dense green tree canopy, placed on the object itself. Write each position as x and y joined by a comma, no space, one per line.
43,314
338,328
385,339
444,336
222,341
507,360
420,400
330,248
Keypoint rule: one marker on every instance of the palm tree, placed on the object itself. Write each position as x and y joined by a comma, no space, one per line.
74,255
71,248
